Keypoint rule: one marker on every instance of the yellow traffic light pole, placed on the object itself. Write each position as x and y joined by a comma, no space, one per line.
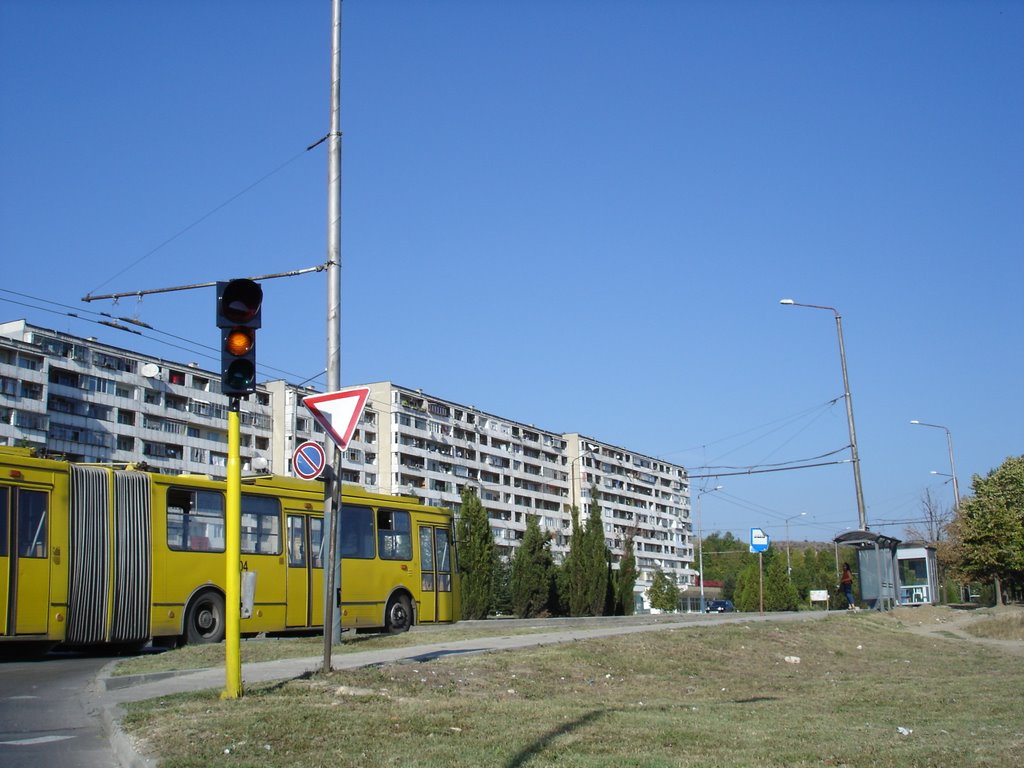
233,557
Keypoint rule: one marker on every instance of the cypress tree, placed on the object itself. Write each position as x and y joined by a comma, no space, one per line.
531,572
572,576
595,560
779,593
478,557
625,580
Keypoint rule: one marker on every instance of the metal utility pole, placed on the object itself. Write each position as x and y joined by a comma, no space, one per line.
952,464
854,455
332,490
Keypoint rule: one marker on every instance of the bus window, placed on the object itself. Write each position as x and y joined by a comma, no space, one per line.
427,558
394,535
296,541
5,506
316,541
31,523
261,525
356,532
195,520
444,561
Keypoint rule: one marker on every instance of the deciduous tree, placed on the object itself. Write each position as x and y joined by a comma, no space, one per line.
987,536
663,592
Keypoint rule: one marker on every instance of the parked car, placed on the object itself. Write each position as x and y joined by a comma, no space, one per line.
719,606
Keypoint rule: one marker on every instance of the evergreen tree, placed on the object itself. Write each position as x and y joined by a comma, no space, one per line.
596,555
478,557
663,592
532,570
746,596
502,586
779,593
571,581
625,580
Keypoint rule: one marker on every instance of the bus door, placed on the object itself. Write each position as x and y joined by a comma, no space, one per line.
5,557
435,574
305,571
25,561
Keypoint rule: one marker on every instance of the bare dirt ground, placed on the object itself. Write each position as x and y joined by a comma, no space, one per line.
952,623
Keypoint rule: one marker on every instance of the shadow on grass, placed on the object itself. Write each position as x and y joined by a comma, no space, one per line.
537,747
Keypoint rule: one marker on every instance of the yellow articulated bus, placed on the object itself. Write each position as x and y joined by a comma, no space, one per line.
93,555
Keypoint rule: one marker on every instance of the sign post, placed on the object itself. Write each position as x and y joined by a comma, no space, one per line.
759,543
338,413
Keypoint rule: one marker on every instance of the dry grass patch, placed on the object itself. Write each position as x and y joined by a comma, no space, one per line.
271,649
831,692
1001,625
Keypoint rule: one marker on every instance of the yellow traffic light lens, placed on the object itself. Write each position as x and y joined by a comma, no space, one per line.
239,341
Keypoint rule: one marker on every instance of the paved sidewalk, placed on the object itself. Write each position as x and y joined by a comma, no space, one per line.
110,692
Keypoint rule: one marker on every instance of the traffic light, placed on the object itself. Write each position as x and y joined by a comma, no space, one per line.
239,308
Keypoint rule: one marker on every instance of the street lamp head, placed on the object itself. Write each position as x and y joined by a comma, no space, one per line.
914,421
787,302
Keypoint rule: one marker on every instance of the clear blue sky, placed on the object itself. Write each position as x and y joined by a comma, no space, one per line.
580,215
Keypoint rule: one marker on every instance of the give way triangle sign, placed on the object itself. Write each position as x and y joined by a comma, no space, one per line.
338,412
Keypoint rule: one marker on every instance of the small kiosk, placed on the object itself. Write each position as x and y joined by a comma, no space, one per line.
918,572
878,571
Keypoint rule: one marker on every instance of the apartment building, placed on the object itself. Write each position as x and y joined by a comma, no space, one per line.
92,402
433,448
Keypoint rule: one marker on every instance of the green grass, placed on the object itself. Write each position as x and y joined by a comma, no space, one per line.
696,696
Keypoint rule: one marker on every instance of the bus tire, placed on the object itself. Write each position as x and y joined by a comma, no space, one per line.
398,615
204,620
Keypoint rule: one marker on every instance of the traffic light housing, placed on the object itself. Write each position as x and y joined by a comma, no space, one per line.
239,314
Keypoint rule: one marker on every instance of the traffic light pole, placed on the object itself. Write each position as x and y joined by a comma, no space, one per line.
232,558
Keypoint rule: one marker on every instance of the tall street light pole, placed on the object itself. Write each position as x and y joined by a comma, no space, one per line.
789,565
952,466
700,543
854,455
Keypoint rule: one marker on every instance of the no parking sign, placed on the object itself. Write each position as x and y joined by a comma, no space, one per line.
309,460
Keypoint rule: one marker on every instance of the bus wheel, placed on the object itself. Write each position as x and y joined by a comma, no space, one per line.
204,621
398,616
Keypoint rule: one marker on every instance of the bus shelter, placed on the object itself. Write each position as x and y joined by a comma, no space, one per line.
877,566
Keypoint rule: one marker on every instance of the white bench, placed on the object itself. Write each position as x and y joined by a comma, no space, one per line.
819,596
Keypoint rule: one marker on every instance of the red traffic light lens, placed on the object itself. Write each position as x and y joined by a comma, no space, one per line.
241,300
239,341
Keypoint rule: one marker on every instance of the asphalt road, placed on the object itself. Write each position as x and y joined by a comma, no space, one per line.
46,716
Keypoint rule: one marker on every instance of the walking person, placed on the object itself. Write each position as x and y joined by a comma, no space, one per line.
846,585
